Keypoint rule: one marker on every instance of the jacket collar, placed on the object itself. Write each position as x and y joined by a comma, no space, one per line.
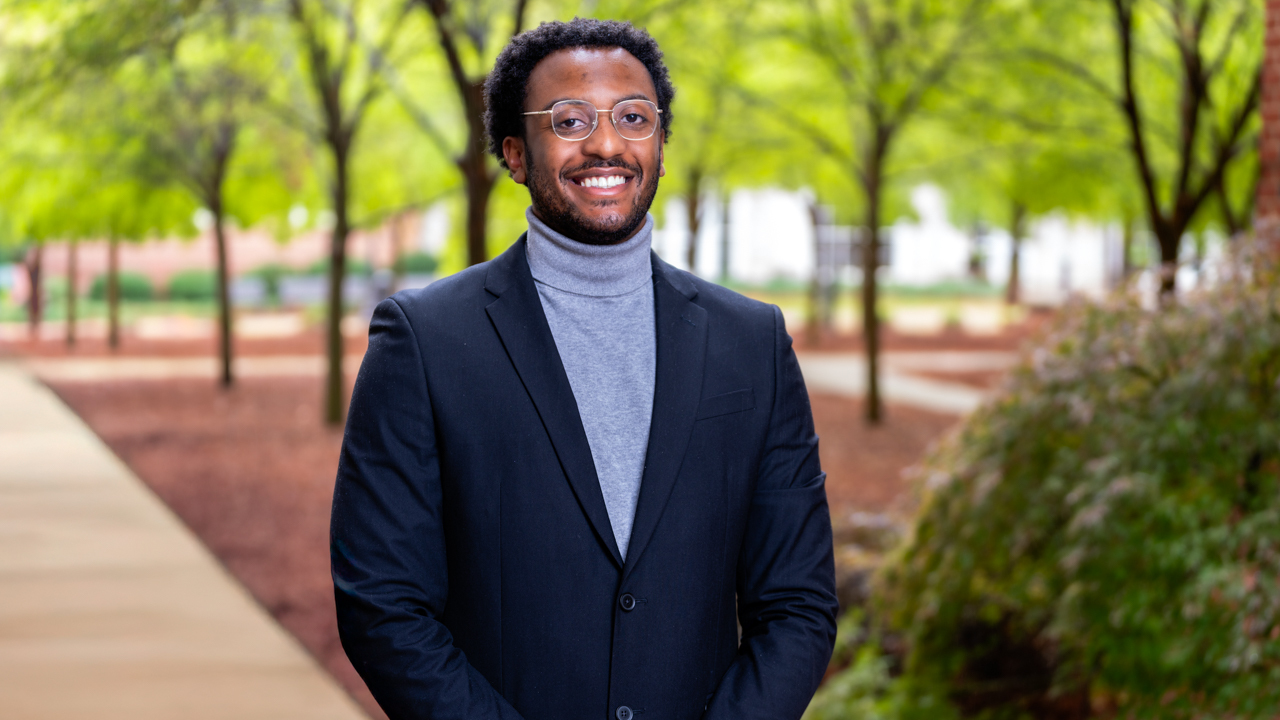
681,332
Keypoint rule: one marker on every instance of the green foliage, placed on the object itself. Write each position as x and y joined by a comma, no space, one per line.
193,285
271,274
133,286
417,263
866,688
1108,532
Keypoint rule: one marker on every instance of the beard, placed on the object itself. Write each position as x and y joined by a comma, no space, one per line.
554,209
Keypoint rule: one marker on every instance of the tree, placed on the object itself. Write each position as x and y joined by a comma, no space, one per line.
345,47
1187,80
187,103
707,59
880,65
1017,145
468,35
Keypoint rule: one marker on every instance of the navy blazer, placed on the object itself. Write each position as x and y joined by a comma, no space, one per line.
474,567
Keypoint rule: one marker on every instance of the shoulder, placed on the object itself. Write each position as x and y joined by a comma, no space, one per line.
461,295
722,304
448,294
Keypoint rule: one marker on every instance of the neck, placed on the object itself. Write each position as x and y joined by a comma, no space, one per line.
582,269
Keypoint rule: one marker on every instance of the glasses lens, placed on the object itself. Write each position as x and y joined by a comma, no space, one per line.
635,119
573,119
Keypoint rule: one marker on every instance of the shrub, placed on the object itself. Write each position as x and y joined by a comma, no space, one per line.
1106,536
194,285
133,287
271,274
416,264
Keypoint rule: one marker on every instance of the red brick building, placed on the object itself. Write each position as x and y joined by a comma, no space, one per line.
1267,216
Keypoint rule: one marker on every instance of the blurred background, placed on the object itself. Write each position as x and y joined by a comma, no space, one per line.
201,201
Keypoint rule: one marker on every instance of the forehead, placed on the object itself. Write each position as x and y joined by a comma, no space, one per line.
599,75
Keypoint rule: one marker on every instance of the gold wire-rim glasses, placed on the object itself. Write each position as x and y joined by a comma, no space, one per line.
595,121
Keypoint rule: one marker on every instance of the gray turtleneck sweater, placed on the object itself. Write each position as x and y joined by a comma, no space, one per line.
598,300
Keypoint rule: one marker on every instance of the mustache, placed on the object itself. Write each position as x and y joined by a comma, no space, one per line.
611,163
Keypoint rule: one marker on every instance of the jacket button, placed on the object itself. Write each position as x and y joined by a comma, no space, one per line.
624,712
628,603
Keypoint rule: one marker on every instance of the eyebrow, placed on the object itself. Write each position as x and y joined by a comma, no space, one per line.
632,96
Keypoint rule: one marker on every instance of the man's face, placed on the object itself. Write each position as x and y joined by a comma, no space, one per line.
555,169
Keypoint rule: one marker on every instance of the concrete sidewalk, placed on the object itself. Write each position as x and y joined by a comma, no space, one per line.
109,607
845,374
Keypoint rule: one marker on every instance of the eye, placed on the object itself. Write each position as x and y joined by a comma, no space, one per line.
633,118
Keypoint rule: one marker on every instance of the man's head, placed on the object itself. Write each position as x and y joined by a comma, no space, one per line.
574,184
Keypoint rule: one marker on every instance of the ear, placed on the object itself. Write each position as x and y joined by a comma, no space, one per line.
513,152
662,169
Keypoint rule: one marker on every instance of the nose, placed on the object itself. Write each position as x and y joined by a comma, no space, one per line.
605,142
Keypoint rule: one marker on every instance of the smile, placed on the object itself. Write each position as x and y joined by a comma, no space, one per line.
605,182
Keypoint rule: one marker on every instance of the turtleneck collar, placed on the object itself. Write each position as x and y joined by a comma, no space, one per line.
593,270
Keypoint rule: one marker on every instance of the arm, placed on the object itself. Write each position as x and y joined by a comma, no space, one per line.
387,548
786,569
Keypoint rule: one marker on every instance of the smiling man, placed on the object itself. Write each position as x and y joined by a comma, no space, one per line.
577,482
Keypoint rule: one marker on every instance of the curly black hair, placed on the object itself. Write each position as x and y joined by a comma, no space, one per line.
506,88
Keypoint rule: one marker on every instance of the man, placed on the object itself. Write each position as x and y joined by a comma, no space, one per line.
570,473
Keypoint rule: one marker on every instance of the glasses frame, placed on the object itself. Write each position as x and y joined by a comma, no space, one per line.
596,123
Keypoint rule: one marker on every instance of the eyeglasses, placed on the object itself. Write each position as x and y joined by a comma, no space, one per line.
575,120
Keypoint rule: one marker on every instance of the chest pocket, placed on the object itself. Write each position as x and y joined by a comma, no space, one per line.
731,402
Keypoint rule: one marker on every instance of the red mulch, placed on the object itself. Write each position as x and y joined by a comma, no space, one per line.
865,463
1012,337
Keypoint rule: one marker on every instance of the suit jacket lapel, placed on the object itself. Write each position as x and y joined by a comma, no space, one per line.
682,342
518,317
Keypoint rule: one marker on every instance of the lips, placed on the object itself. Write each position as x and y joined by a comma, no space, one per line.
603,178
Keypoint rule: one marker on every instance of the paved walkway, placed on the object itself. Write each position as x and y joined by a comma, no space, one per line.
846,374
110,608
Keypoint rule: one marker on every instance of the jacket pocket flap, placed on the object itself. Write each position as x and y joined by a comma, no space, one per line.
732,402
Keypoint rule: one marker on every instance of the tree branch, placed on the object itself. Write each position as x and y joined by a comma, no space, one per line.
1077,71
1129,104
1232,145
815,133
440,10
517,26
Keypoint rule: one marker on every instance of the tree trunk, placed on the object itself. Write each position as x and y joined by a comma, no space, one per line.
224,294
397,249
479,178
694,208
334,381
73,256
872,185
113,293
35,277
1169,240
813,329
1126,262
1012,292
479,182
724,238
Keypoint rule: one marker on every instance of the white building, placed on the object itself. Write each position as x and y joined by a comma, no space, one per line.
771,238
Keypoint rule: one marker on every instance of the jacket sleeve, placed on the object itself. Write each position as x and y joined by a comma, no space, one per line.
786,570
387,542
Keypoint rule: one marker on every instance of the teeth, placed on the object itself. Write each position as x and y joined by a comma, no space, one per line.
602,182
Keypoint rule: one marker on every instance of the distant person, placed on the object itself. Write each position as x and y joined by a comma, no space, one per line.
569,473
